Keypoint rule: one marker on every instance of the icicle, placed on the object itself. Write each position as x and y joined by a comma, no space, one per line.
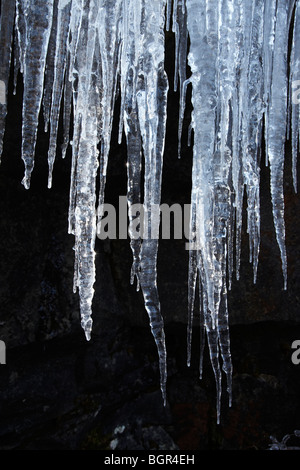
109,39
38,22
168,14
192,279
85,163
181,40
145,121
73,54
294,86
129,63
244,12
63,20
202,20
16,60
6,30
67,108
50,68
277,116
20,31
251,124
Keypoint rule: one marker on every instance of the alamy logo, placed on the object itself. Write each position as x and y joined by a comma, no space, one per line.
296,92
144,223
2,352
296,354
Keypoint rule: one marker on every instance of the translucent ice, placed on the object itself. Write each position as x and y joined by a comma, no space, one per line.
76,56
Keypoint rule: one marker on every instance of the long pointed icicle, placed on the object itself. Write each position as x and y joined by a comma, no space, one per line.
85,172
38,22
129,66
203,62
251,127
145,106
277,118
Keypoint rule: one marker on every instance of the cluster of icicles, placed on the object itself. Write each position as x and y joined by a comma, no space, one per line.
79,55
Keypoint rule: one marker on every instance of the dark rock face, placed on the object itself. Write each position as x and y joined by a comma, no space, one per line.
66,393
58,391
